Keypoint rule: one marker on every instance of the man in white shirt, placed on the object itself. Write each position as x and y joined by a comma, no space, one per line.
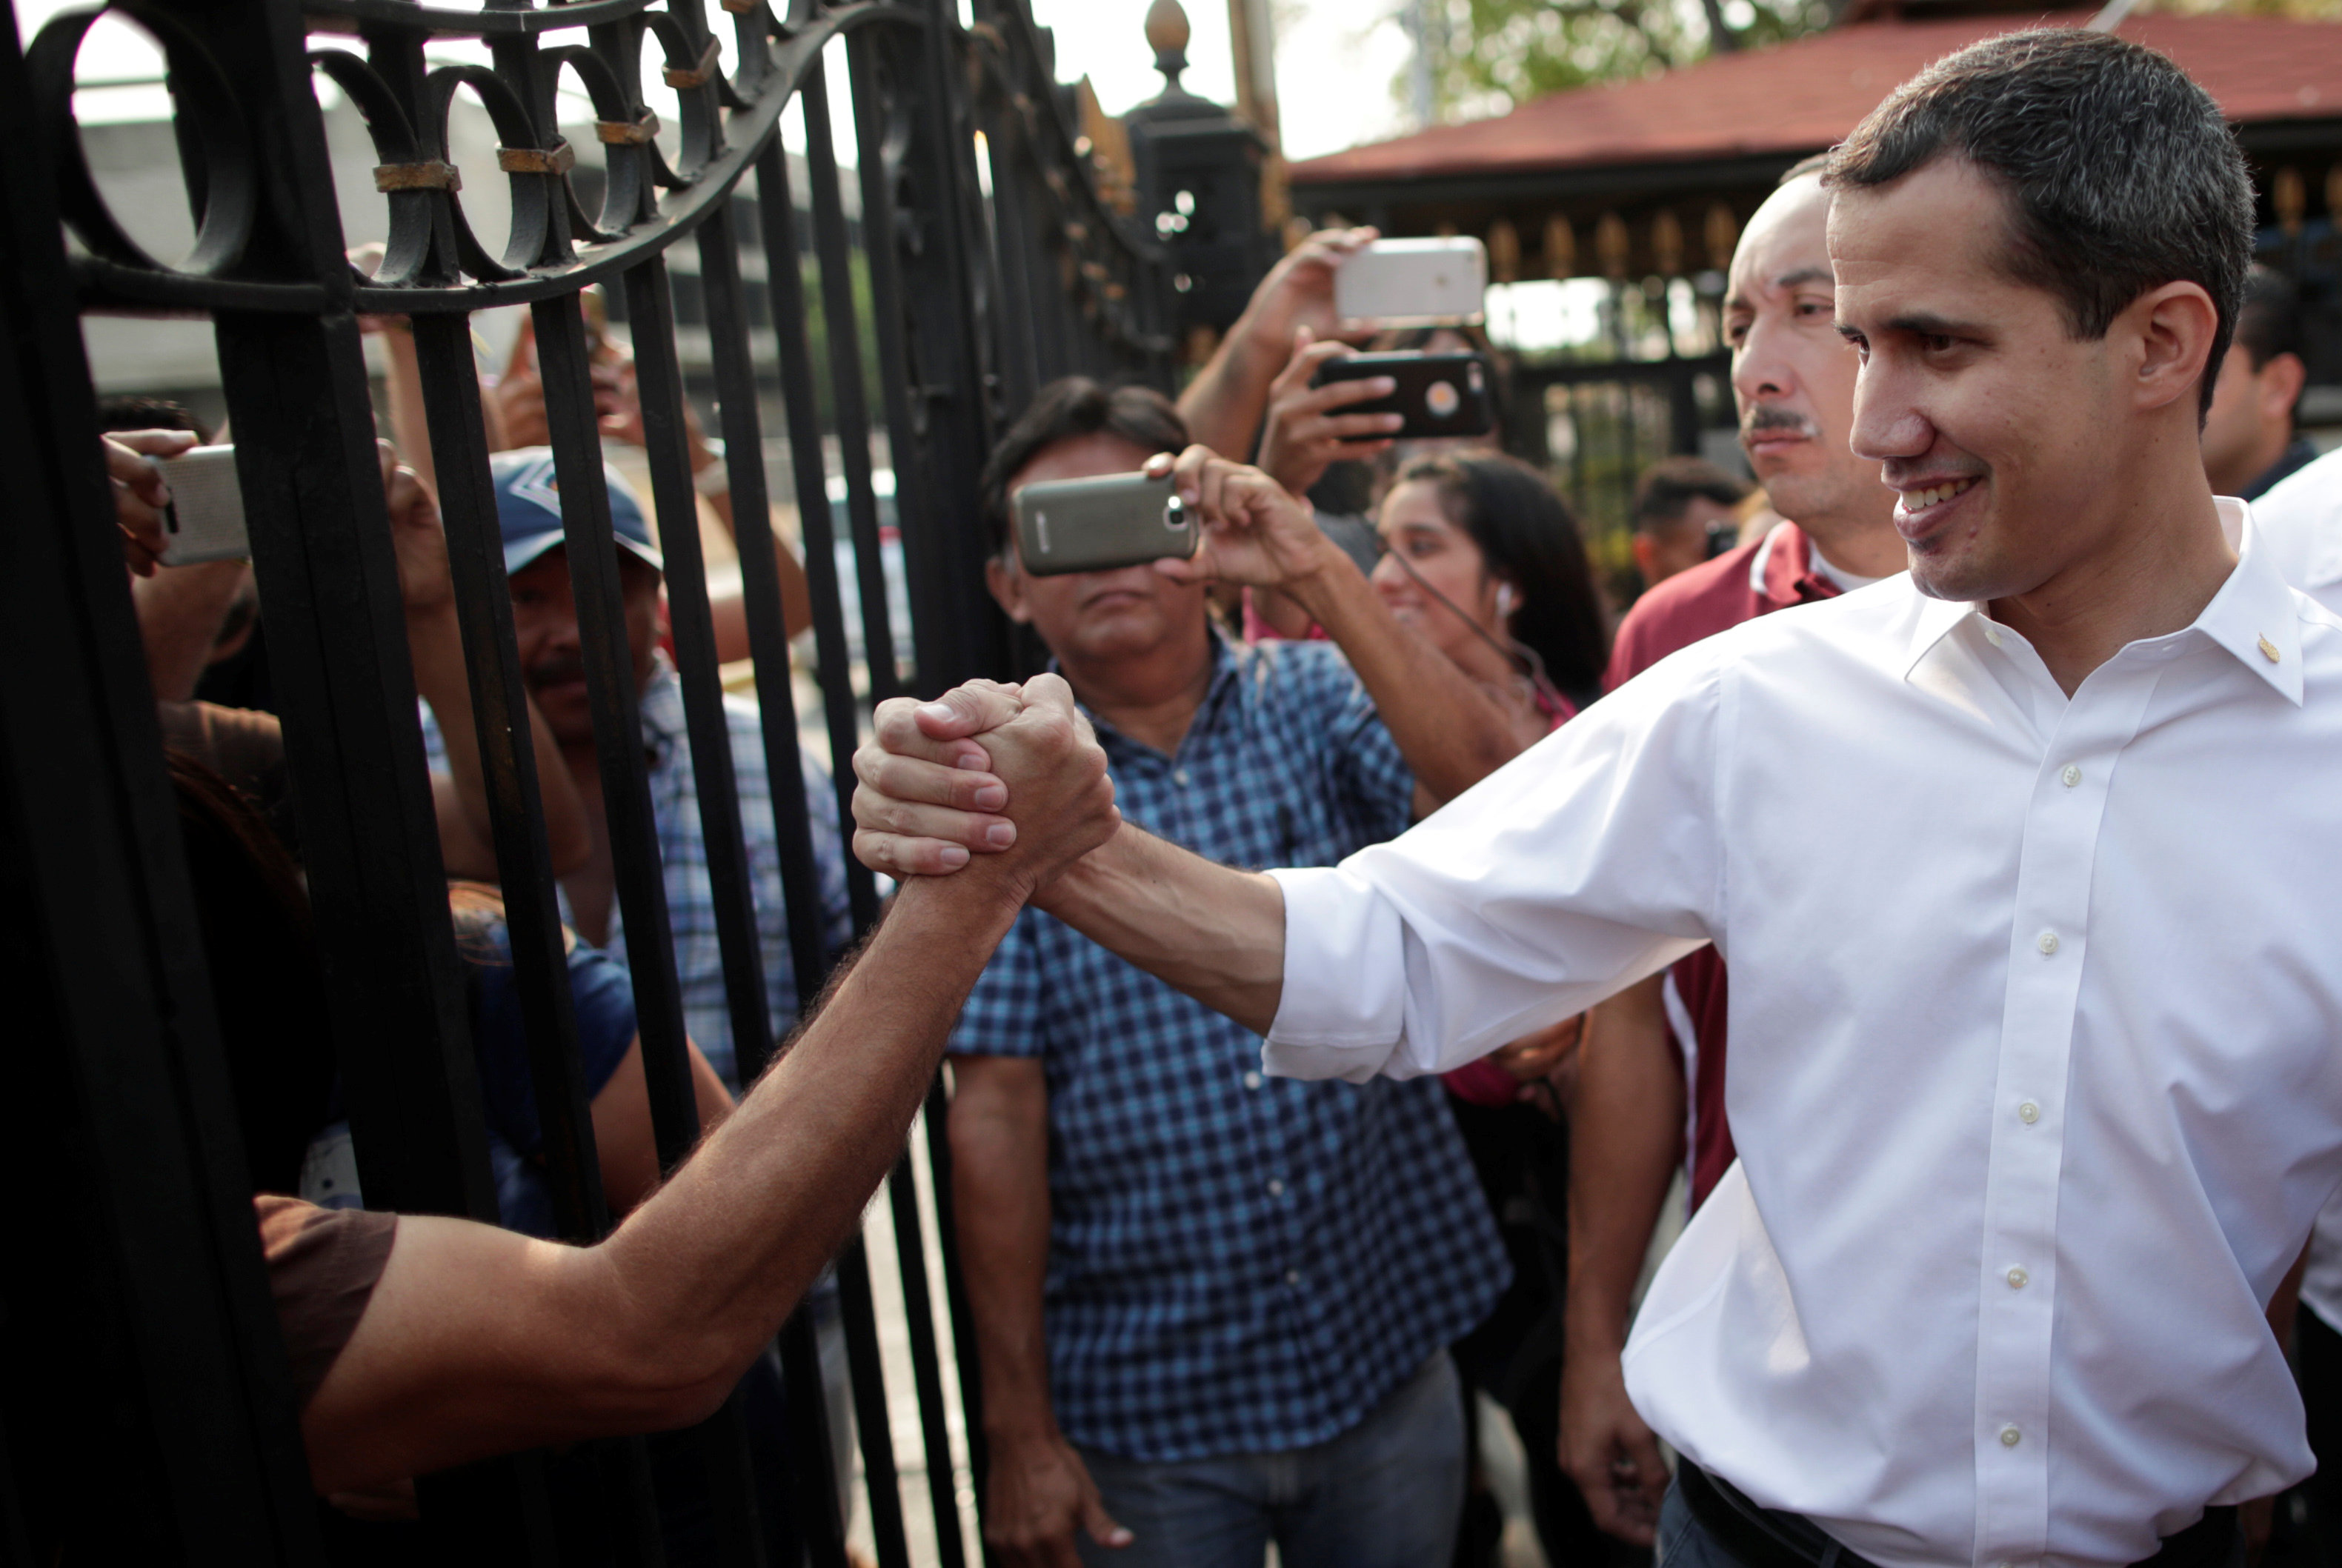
2033,1086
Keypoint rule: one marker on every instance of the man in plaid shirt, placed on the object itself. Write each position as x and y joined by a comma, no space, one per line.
1212,1306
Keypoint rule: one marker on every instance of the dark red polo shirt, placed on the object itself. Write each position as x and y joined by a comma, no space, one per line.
1773,573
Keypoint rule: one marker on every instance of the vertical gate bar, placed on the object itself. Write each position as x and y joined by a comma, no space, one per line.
650,314
871,1417
931,371
915,480
811,1481
593,575
161,1348
1018,355
844,342
475,560
768,636
783,270
353,750
533,925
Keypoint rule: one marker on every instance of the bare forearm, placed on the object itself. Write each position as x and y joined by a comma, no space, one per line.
410,429
1625,1133
1000,1201
718,1256
1224,404
180,609
1451,732
1213,932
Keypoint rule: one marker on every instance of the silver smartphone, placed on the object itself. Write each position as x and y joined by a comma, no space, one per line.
1099,525
205,521
1415,283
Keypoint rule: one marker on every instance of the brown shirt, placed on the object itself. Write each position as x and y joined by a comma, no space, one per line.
322,1265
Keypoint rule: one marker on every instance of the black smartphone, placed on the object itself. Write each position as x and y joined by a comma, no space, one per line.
1438,393
1099,525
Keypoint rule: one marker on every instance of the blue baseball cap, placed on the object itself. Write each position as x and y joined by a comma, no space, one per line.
528,508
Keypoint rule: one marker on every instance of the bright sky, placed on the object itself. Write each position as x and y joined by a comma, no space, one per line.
1335,62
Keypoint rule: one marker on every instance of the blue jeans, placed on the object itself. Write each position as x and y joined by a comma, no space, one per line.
1387,1494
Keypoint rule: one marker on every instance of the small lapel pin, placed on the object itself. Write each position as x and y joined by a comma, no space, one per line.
2268,651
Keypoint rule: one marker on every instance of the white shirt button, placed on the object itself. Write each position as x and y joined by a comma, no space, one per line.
1992,633
2010,1437
1275,1188
2072,775
1179,778
2028,1112
1252,1080
2046,941
2017,1278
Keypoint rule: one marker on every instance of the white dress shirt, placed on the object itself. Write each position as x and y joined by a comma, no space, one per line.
2034,1073
2300,523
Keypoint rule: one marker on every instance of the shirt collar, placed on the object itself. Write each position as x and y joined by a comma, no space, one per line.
2253,615
1226,664
1782,572
662,706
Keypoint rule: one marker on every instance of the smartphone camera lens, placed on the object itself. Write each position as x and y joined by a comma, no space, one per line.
1174,514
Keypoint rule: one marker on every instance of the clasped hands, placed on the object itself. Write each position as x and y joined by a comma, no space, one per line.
933,788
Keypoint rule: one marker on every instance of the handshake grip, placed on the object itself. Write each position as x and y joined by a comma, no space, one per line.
1003,783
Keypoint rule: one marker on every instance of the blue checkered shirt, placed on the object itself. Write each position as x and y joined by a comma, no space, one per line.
682,852
1237,1263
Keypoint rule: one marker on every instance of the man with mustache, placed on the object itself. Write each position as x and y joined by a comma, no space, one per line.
2025,860
544,623
1659,1047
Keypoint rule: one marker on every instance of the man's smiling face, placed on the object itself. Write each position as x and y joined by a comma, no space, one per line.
1997,427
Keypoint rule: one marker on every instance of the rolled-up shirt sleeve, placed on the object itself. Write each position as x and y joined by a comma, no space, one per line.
1585,865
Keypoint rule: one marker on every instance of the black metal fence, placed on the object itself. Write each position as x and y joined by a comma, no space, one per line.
146,1411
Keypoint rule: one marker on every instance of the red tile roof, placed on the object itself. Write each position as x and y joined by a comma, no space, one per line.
1804,96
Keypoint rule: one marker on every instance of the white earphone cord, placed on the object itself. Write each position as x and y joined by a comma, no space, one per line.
1515,651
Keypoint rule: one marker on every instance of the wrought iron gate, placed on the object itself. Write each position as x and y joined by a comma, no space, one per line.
145,1412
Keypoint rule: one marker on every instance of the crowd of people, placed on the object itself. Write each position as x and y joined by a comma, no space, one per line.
1343,950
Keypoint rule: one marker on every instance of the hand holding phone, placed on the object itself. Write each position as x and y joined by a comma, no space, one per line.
1435,394
1254,531
205,521
1100,524
1315,423
1414,283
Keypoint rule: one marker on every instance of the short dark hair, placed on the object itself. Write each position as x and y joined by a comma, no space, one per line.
1672,484
2270,322
135,411
1066,410
2120,173
1527,536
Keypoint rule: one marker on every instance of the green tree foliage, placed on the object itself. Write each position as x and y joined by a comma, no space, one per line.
1490,56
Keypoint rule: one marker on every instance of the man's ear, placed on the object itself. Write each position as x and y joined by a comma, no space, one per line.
1647,557
2173,325
1007,585
2281,382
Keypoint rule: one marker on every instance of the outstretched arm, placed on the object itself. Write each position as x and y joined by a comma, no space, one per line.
478,1341
1449,729
1223,404
924,795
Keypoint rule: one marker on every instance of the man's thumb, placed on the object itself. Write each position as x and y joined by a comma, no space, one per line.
1100,1523
965,711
